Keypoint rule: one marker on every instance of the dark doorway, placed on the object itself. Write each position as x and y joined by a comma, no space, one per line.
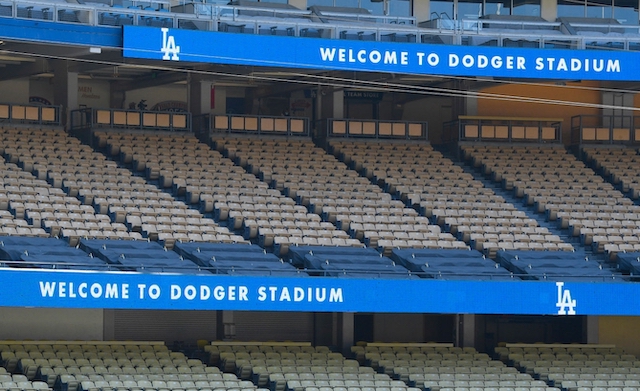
363,327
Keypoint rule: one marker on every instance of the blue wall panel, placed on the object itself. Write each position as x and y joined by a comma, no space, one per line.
209,292
410,58
62,33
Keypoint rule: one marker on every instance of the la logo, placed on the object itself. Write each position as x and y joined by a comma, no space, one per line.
566,306
169,47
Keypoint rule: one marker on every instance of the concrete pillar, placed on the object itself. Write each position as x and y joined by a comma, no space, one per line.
549,10
593,329
229,325
421,10
300,4
65,91
199,97
338,104
219,102
466,330
346,322
117,98
471,105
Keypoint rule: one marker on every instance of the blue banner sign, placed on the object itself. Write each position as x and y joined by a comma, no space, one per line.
76,289
404,58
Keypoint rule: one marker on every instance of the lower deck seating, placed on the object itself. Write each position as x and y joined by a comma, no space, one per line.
562,189
575,366
441,366
425,179
107,366
329,188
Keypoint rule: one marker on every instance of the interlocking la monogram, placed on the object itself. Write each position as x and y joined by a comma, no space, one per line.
566,306
169,47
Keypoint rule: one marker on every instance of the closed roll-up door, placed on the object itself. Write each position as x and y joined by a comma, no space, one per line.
168,326
273,326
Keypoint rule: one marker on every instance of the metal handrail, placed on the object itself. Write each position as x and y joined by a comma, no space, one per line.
300,21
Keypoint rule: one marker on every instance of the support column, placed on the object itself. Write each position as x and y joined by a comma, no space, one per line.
116,98
219,102
549,10
200,95
229,325
65,91
338,104
593,329
345,331
465,330
420,10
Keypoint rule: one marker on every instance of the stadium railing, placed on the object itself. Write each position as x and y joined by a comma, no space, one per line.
301,23
29,114
604,129
509,129
354,128
91,118
252,124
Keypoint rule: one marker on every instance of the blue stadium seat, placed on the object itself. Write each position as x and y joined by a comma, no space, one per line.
49,253
629,262
227,258
552,265
346,261
139,256
450,264
5,9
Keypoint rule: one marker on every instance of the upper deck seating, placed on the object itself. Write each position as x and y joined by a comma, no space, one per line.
618,165
326,186
561,187
452,198
599,32
517,30
46,204
268,18
160,217
16,188
204,176
359,24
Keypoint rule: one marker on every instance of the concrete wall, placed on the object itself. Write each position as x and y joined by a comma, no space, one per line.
435,110
16,91
398,327
621,331
51,323
516,108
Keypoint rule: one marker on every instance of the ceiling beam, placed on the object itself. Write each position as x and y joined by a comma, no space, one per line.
152,79
21,70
